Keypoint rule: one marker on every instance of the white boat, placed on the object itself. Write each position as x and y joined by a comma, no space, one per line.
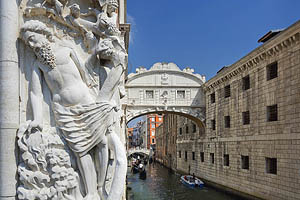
191,181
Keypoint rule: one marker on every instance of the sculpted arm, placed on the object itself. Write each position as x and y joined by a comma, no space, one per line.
82,69
36,97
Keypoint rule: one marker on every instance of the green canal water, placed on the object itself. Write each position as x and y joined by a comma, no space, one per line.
161,184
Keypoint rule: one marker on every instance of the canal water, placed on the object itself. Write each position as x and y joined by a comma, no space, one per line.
161,184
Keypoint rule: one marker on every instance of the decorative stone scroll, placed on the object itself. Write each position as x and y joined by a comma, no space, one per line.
70,146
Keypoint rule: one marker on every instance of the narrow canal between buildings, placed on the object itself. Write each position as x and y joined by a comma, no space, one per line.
161,184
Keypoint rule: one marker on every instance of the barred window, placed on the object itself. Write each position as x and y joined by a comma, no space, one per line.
202,156
212,158
213,97
180,94
271,165
227,91
227,121
246,83
246,117
272,113
226,159
272,71
149,94
245,162
213,124
194,128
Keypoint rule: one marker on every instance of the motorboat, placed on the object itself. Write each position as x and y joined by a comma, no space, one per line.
191,181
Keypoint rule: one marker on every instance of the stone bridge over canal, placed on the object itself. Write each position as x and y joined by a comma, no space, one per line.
164,88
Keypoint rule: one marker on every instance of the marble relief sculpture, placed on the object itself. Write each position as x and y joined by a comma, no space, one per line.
80,58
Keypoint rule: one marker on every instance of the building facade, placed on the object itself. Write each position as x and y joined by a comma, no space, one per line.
153,121
251,141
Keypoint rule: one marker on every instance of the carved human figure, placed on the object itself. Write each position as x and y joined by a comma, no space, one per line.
85,123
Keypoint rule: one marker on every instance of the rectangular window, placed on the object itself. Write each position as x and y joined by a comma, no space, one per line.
185,155
202,156
179,154
226,159
213,97
152,119
271,165
186,129
213,124
193,155
153,133
152,125
227,91
272,113
180,94
246,117
194,128
180,131
272,71
245,162
246,83
153,141
149,94
212,158
227,121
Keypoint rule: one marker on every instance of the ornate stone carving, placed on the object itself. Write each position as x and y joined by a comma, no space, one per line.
80,58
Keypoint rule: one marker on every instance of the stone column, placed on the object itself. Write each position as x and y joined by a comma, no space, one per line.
9,97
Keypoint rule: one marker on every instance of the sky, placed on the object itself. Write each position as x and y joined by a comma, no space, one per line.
202,34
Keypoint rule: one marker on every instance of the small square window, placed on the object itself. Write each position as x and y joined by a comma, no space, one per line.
213,124
246,117
271,165
185,155
202,156
213,97
226,159
272,113
149,94
212,158
179,154
227,121
180,131
227,91
180,94
193,155
246,83
194,128
272,71
245,162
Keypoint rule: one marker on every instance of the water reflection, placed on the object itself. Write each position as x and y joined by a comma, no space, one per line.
161,184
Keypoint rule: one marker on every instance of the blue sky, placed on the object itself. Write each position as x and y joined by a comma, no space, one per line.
203,34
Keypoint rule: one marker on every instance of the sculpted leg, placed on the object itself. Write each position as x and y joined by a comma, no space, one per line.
118,183
102,153
89,177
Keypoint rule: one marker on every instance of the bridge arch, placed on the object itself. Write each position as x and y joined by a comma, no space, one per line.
164,88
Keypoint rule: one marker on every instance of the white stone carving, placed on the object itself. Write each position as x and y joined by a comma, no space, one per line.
80,59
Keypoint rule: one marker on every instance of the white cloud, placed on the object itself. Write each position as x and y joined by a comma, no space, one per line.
133,30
